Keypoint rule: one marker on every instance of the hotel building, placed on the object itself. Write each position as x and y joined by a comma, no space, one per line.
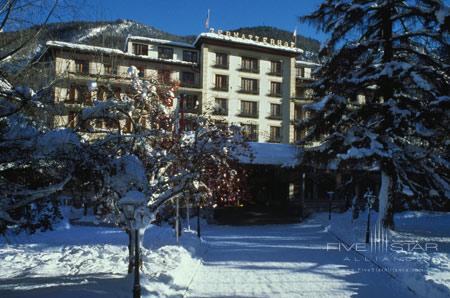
251,81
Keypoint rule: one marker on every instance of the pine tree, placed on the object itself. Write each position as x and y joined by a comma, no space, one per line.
388,52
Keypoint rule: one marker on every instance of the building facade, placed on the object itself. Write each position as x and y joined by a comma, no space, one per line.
250,81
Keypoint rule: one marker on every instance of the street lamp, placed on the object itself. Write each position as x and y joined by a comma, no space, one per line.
370,200
330,199
131,205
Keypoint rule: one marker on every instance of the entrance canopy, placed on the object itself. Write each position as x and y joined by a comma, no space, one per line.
282,155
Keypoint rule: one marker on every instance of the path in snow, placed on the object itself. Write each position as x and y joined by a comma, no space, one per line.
285,261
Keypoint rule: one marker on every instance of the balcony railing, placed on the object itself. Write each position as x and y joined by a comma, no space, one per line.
189,84
246,91
220,88
220,112
274,139
221,66
274,117
248,115
275,73
275,94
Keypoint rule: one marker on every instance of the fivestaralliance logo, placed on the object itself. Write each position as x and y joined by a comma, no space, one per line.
380,243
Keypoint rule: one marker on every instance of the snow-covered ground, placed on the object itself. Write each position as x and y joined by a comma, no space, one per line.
417,253
93,262
297,260
284,261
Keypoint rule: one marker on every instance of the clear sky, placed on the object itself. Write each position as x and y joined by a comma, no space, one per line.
188,16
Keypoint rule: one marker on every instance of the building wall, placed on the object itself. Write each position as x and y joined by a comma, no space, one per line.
202,86
234,96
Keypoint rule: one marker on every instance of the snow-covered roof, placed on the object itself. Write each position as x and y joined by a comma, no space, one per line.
110,51
307,63
82,47
283,155
161,41
228,38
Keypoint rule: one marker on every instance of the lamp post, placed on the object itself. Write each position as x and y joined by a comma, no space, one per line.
370,200
330,199
130,205
198,220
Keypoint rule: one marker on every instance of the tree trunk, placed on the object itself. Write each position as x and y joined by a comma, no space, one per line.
385,202
130,250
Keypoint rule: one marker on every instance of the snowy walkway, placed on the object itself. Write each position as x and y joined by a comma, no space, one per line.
285,261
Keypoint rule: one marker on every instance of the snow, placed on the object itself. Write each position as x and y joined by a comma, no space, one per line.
160,41
93,262
296,260
425,271
284,155
443,13
284,261
133,197
109,51
306,63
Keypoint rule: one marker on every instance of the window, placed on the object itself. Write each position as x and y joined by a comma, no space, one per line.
221,107
82,66
98,123
275,111
275,68
164,76
165,53
128,126
111,124
275,88
102,93
299,134
190,103
187,78
140,49
275,134
249,86
298,114
117,93
141,70
249,109
221,82
110,69
249,64
71,119
221,60
79,94
250,132
304,72
190,56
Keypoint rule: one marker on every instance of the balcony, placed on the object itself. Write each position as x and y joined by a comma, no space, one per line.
275,74
276,139
220,112
189,84
248,115
221,66
274,117
220,88
253,91
249,70
275,94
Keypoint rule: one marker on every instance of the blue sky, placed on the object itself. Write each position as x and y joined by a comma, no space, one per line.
187,16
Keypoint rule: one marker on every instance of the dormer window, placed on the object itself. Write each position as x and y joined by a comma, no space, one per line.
140,49
165,53
189,56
